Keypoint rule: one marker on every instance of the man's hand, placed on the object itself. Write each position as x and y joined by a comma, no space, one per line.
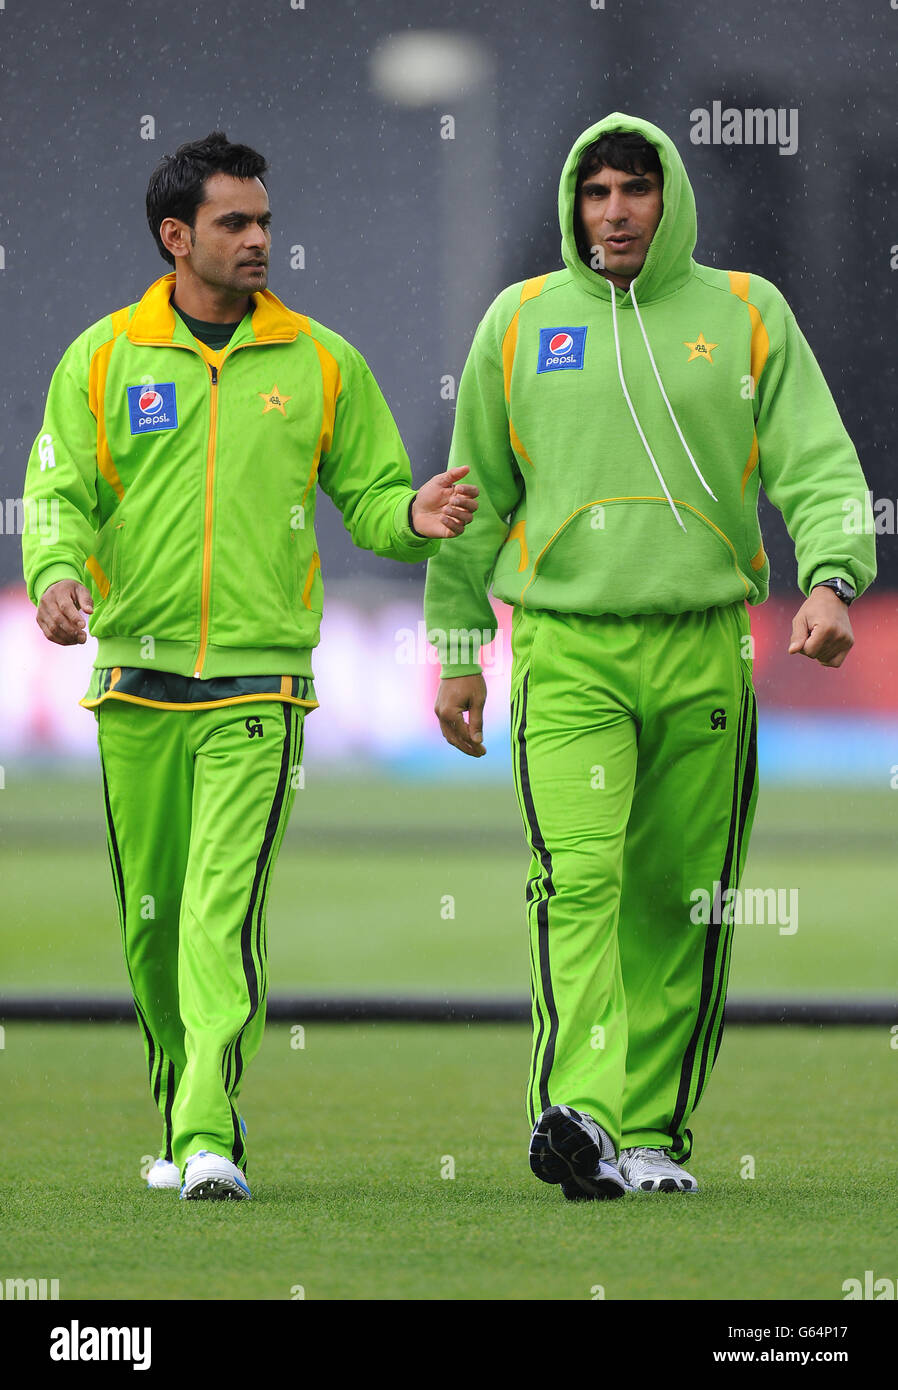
820,628
442,507
58,615
455,695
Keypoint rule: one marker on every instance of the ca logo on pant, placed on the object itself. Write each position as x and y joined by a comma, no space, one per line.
253,727
718,719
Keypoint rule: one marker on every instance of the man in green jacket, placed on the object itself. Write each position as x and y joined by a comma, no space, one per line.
619,417
171,494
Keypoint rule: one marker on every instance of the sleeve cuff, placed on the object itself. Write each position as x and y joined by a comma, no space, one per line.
471,669
52,575
405,535
833,572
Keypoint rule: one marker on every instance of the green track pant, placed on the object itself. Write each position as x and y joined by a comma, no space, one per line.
634,749
197,802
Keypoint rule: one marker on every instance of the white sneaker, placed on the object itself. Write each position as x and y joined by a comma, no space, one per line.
208,1175
570,1148
652,1170
164,1174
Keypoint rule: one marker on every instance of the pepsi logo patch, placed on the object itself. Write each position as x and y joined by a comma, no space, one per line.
152,407
561,349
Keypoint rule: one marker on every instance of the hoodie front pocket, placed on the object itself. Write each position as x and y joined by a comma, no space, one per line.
628,555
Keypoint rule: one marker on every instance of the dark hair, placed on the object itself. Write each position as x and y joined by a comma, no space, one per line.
177,184
625,150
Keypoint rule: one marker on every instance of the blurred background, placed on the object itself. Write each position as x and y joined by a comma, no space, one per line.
398,238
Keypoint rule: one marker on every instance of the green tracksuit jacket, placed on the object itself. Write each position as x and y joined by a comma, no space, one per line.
179,485
589,506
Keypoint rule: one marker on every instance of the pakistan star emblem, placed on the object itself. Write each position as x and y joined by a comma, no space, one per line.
700,349
274,400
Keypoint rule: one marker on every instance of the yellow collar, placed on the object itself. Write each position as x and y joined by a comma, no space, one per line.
153,321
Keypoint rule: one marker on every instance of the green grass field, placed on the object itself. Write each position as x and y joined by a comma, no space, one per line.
358,897
349,1135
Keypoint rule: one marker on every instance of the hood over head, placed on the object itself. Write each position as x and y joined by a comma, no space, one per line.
668,263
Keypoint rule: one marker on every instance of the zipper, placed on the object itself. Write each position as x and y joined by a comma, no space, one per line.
207,523
214,373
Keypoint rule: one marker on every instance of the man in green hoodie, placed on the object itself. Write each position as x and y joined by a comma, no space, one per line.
619,417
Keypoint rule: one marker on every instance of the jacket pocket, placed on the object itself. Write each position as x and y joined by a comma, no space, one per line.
115,574
152,587
312,587
101,565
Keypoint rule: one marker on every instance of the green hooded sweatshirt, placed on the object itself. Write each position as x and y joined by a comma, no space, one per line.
619,439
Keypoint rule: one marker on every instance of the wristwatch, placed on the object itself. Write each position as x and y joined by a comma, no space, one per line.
840,587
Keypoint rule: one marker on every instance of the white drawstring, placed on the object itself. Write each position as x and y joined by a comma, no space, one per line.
620,372
648,348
